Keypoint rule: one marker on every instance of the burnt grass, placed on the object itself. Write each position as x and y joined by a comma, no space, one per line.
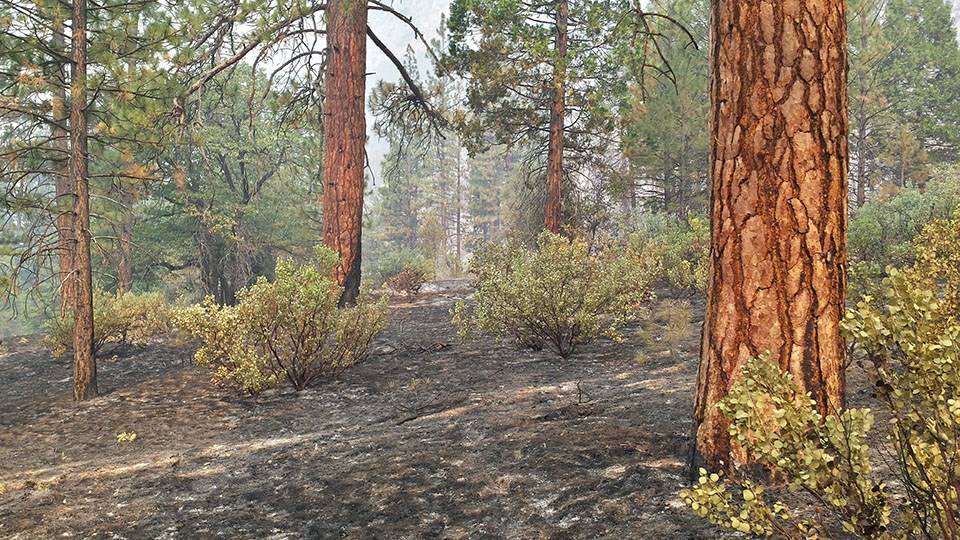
432,437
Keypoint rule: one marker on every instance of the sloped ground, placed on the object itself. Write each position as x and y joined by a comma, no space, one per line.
431,438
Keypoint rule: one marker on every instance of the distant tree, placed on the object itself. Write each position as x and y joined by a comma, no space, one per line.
241,190
778,204
535,73
85,366
422,200
870,108
904,72
923,70
486,193
665,139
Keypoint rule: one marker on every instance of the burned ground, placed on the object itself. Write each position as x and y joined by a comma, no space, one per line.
433,437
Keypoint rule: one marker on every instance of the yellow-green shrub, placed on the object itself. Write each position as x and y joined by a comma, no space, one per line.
937,266
912,334
129,318
915,345
682,250
825,463
290,329
558,296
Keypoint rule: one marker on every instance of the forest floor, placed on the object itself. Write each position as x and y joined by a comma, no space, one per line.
433,437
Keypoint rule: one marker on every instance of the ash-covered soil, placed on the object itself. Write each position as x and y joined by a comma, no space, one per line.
432,437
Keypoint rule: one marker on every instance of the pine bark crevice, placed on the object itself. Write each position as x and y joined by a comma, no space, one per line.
344,130
778,204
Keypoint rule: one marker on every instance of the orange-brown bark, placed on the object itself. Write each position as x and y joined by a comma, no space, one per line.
778,203
85,366
554,216
344,131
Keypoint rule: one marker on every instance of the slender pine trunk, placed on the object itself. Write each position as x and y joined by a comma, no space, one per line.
344,131
554,215
85,363
66,236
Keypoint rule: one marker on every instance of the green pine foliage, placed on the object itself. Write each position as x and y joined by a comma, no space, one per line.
664,119
924,63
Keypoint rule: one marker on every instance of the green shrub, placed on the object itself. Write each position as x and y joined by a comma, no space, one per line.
558,296
915,346
683,249
935,253
825,463
290,329
396,262
882,230
130,318
937,266
885,230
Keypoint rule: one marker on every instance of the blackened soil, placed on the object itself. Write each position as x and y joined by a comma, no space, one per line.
432,437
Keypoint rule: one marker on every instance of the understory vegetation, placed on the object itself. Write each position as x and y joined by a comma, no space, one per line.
286,331
118,319
909,333
558,296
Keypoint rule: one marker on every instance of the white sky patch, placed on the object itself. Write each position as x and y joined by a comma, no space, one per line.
396,35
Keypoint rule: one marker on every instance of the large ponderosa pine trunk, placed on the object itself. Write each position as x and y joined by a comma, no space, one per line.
85,367
778,203
554,217
344,132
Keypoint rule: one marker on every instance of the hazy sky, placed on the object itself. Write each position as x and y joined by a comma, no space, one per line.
956,13
426,15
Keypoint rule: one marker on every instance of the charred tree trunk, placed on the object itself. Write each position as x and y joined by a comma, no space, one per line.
778,204
64,188
554,218
125,277
85,364
344,132
220,275
209,261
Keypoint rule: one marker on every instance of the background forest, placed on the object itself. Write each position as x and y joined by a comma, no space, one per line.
197,193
